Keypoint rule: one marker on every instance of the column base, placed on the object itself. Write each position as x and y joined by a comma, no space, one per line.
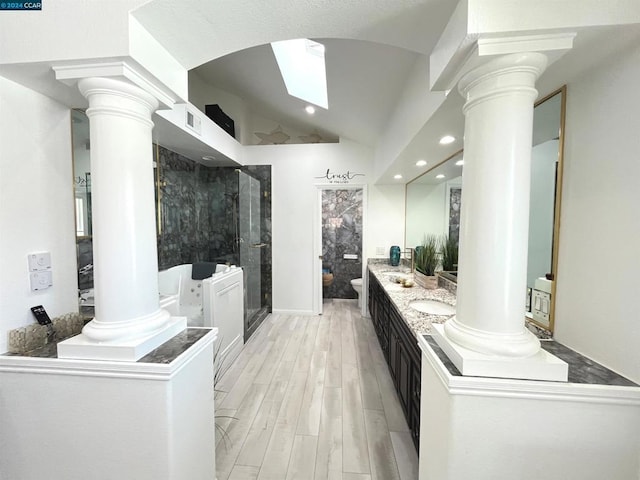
539,366
82,347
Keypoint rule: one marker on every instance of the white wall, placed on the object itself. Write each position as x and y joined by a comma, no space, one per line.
425,211
201,93
415,106
294,172
259,124
385,219
597,310
36,205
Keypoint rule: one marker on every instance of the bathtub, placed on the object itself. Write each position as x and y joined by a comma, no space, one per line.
180,295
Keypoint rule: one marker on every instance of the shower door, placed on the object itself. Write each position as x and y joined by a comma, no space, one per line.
251,249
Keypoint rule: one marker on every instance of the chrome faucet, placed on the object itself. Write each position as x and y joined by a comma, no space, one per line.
409,253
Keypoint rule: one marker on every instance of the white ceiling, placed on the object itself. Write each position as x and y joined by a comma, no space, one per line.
364,80
370,52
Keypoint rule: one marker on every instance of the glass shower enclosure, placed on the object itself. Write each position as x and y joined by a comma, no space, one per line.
252,250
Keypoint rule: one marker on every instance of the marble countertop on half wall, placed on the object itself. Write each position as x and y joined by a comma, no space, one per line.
419,323
165,353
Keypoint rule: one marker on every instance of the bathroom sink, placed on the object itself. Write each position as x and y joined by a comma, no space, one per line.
433,307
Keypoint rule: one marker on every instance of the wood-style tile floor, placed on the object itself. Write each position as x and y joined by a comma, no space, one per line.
310,397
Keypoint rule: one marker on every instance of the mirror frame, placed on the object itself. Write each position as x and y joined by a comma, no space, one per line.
562,91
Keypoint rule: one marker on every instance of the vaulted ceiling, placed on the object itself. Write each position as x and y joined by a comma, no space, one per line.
371,48
364,80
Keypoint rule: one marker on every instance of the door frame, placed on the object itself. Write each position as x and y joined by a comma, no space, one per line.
317,242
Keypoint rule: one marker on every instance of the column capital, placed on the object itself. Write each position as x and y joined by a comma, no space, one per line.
449,65
120,97
122,70
514,73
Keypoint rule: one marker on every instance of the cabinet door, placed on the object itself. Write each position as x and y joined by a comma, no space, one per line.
394,345
414,426
404,378
415,387
414,404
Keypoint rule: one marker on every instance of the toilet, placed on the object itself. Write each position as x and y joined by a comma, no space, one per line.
356,283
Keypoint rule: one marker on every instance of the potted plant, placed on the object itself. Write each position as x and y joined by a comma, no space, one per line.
449,253
426,262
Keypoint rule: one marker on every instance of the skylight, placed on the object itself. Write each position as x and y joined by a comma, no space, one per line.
301,64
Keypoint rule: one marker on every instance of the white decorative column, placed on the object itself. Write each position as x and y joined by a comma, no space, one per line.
487,337
128,321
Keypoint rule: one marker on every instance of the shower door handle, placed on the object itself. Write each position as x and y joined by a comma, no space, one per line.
258,245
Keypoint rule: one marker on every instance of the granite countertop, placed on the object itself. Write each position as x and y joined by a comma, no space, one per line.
581,369
419,323
165,353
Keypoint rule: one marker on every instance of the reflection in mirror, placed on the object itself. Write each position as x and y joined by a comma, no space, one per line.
82,195
433,204
544,164
81,172
544,211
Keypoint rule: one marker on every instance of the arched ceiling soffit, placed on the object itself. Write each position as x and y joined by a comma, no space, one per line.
196,32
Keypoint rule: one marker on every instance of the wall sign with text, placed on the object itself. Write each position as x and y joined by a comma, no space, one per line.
339,177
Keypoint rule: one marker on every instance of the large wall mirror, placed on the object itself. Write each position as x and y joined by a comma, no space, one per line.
82,193
433,201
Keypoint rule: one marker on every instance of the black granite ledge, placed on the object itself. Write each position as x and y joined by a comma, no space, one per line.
165,353
171,349
581,369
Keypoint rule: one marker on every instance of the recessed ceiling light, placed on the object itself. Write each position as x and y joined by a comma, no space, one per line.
397,177
460,163
447,139
440,176
421,163
310,110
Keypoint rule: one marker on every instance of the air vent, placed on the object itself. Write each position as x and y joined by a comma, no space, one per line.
194,122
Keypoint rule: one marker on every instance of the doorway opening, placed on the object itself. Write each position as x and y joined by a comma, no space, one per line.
339,241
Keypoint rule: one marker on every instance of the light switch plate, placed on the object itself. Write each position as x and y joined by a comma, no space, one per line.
40,280
39,262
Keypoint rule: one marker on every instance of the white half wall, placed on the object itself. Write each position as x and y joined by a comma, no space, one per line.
36,205
295,171
598,279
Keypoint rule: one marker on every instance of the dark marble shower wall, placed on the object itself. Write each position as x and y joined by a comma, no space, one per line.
184,233
198,214
342,234
454,212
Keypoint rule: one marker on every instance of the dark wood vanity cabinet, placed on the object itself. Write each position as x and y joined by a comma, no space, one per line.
401,351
